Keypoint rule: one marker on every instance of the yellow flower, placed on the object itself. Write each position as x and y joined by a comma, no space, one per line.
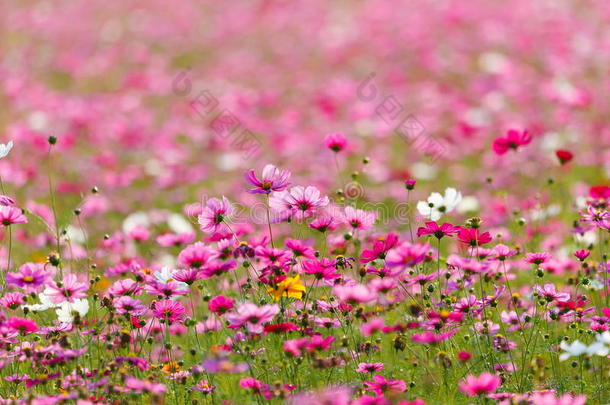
291,287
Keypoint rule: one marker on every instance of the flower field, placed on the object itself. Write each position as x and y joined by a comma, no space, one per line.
305,202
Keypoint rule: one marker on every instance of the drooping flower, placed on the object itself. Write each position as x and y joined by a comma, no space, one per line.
272,179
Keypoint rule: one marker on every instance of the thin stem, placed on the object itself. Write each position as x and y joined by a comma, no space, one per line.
269,222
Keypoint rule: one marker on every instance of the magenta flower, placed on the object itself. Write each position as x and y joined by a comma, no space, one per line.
472,237
513,140
30,277
381,246
171,311
69,290
335,142
582,254
380,385
214,214
220,304
22,325
252,316
305,200
486,383
10,215
272,179
432,228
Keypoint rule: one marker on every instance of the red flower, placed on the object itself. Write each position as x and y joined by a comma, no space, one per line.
564,156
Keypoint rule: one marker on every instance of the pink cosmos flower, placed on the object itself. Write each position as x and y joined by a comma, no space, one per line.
428,337
486,383
31,277
582,254
502,252
304,201
10,215
380,385
324,223
323,269
372,326
472,237
513,140
22,325
432,228
6,200
381,246
356,294
407,254
128,305
272,179
171,311
12,300
220,304
335,142
359,219
69,290
299,248
369,367
537,258
252,316
550,293
549,398
214,214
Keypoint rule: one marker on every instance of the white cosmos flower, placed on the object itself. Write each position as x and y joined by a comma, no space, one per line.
437,204
5,148
166,274
45,302
65,312
574,349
